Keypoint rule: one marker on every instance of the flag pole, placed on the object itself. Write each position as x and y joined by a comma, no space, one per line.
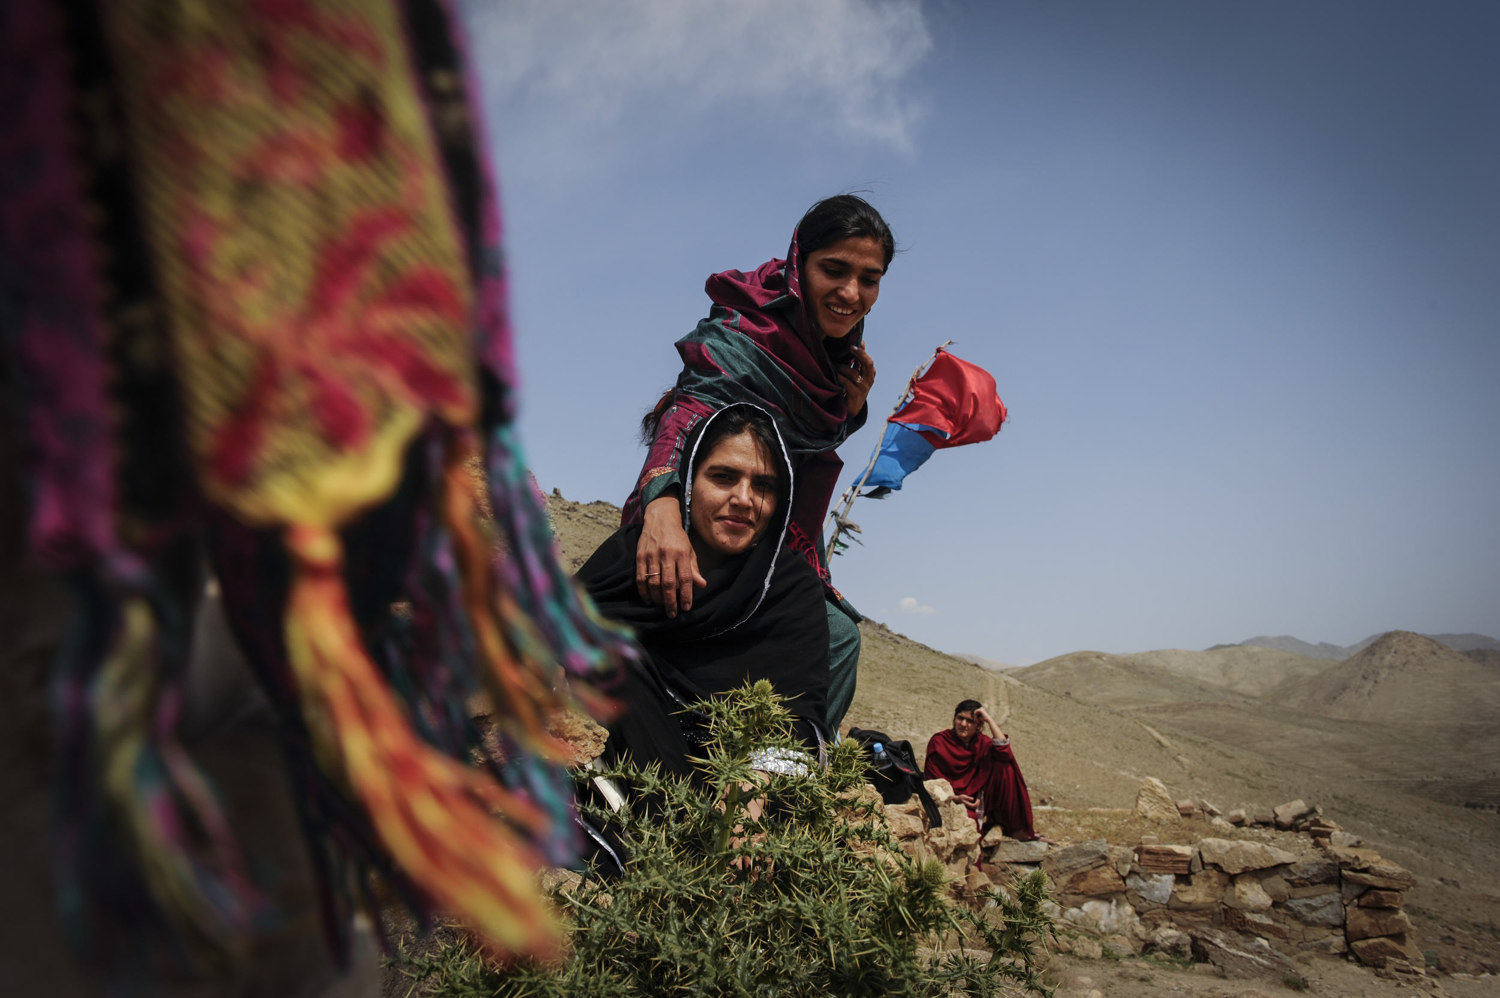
840,516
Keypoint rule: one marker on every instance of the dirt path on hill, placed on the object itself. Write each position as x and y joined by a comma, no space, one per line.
996,698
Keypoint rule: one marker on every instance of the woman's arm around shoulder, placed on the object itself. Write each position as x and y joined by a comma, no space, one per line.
666,567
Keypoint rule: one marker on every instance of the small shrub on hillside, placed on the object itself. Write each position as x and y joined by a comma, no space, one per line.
814,897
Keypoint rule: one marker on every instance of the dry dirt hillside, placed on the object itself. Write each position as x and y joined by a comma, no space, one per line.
1124,681
1088,727
1249,670
1405,713
1402,678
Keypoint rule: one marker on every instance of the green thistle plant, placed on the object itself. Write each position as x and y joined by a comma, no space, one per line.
814,897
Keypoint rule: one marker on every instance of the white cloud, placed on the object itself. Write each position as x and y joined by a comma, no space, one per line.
909,604
593,62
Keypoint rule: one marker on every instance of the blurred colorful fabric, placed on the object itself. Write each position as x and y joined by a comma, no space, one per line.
256,308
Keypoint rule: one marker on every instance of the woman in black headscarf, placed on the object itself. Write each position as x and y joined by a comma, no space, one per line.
759,617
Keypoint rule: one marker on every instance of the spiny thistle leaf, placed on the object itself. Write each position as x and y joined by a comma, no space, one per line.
814,897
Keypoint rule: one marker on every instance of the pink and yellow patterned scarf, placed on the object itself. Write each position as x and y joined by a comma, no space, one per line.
255,300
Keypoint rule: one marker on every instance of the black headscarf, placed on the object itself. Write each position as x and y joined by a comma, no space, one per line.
761,616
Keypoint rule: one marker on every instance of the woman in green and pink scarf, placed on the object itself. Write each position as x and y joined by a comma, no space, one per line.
788,337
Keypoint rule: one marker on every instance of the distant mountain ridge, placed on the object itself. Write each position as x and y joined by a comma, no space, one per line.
1401,678
1337,653
1406,710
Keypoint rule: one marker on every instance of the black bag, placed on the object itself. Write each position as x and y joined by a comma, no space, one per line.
896,775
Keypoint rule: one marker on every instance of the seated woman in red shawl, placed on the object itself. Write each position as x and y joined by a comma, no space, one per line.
983,772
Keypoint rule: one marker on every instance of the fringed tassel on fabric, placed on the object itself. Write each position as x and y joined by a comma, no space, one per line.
518,670
288,261
424,646
345,849
432,812
549,609
128,786
521,673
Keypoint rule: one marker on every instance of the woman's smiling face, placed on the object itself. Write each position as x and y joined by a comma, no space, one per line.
841,282
734,495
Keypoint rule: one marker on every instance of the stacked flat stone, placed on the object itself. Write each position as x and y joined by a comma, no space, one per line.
955,844
1373,890
1088,885
1243,905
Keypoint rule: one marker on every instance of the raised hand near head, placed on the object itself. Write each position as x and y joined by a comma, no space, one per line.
858,378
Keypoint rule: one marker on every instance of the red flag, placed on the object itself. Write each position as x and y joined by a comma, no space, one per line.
953,403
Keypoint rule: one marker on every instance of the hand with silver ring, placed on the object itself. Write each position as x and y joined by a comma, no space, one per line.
666,567
858,378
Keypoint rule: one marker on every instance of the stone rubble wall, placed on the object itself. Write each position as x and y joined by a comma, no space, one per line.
1244,905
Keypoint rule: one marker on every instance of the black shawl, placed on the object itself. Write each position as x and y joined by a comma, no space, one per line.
761,616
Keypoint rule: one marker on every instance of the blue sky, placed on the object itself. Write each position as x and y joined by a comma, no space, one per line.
1234,266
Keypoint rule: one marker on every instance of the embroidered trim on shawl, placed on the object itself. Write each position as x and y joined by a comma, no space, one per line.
799,542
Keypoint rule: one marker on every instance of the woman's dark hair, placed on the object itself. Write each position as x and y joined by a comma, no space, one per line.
652,419
731,422
843,216
965,705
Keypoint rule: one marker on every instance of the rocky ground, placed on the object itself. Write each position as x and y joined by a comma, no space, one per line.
1322,976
